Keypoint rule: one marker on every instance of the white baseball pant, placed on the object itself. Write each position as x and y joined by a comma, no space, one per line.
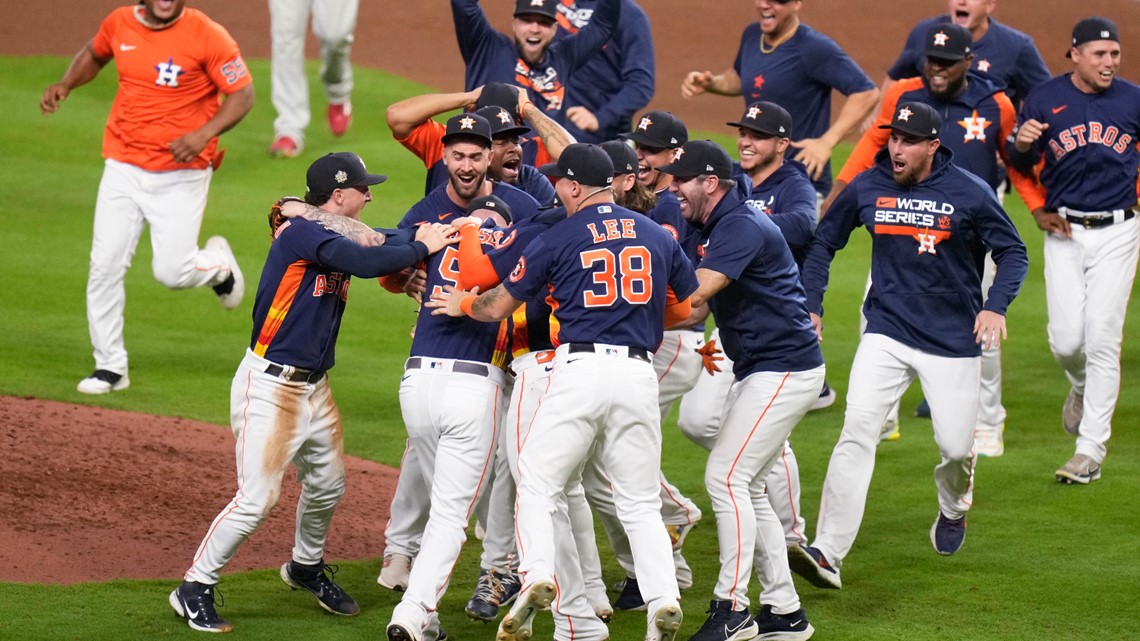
333,24
172,203
1088,280
408,514
880,373
275,423
759,414
678,366
496,508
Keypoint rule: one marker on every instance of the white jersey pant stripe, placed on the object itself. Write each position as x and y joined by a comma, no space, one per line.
610,400
452,419
1088,280
275,423
172,202
759,414
880,373
333,24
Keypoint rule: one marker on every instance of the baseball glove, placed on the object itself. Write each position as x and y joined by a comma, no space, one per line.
275,217
710,355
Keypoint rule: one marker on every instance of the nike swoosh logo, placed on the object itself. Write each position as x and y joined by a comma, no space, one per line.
795,623
550,368
126,47
573,361
321,594
191,614
728,632
1057,110
442,216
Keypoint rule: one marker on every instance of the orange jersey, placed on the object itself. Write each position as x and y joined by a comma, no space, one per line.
170,83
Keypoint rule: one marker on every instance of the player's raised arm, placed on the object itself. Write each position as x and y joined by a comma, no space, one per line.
82,70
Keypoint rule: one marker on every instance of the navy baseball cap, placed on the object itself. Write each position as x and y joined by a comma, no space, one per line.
948,41
503,124
621,155
492,202
499,94
1092,29
584,163
916,119
659,129
472,127
340,170
698,157
766,118
538,7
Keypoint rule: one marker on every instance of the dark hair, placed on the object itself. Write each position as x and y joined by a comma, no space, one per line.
316,200
639,198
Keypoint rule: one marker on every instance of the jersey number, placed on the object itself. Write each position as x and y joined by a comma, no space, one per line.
632,280
448,269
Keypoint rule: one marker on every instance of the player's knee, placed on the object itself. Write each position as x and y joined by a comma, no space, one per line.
170,274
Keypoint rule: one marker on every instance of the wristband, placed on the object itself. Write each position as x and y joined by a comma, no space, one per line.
467,304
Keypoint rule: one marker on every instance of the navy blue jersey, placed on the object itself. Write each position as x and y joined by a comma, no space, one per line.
491,56
667,213
799,76
438,207
1005,55
618,81
929,242
607,270
302,293
1089,148
788,198
762,314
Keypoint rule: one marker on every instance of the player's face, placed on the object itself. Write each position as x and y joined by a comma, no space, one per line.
161,12
776,16
507,160
533,34
946,77
1095,64
354,199
911,157
971,13
759,151
693,194
648,160
623,183
466,164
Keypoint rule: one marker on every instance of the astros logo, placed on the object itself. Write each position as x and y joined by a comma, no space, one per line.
904,114
168,73
504,117
467,122
940,39
645,122
752,113
678,153
975,127
519,270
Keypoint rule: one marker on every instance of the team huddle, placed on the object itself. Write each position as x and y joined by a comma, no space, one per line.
571,246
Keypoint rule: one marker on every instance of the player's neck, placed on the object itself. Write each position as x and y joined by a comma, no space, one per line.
144,20
761,173
486,190
977,32
769,42
1083,86
595,196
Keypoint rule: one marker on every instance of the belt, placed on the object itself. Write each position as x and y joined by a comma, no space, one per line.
462,367
1100,219
295,374
632,352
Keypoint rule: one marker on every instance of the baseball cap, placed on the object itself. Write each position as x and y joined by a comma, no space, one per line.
539,7
498,94
340,170
503,124
472,126
1093,28
916,119
948,41
659,129
766,118
698,157
584,163
621,155
492,202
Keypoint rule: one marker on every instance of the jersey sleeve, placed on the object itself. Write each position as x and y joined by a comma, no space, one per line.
794,212
1026,161
344,255
1031,192
223,61
1031,69
471,27
475,267
101,44
682,277
1000,235
829,65
637,70
531,271
739,61
590,39
426,142
831,235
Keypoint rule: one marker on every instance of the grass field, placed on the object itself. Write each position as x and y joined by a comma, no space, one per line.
1042,561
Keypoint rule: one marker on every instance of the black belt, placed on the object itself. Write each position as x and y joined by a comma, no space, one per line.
456,366
298,376
1096,222
632,352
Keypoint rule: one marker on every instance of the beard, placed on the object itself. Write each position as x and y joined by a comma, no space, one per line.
467,191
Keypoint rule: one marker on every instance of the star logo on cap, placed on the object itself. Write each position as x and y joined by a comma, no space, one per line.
340,176
752,113
983,65
467,122
940,39
505,117
645,122
904,114
678,153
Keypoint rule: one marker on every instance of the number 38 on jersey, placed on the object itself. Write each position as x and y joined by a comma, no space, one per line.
626,275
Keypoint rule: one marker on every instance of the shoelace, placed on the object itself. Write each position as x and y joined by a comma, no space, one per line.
212,595
490,588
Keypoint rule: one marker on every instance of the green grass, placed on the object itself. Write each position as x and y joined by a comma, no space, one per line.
1041,561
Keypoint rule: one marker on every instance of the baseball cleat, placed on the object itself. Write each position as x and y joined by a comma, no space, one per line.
231,290
630,597
726,624
786,627
395,571
484,603
812,565
923,409
194,602
1073,411
340,118
826,398
1080,469
512,585
318,579
666,623
890,431
103,381
516,625
988,442
284,147
403,632
947,535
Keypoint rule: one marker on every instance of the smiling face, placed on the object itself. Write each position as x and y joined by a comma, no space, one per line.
759,151
694,194
466,164
911,157
533,34
946,78
648,160
507,160
972,14
1095,64
162,12
776,17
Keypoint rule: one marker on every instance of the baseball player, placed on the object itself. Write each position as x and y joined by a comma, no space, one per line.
930,223
161,148
1084,126
749,279
333,24
607,269
978,118
786,62
530,57
281,407
614,83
